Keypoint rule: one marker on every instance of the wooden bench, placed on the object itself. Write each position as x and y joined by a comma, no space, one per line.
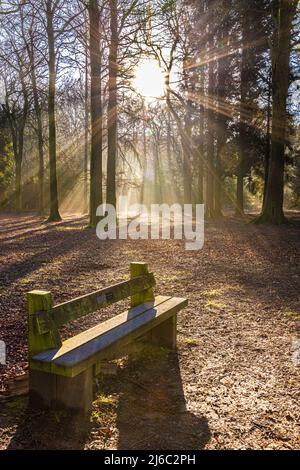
61,373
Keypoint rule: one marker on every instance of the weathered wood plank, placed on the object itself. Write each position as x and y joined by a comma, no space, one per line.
165,334
76,308
147,295
107,343
40,300
76,393
42,389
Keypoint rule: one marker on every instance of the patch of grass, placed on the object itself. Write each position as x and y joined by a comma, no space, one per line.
294,315
95,416
212,305
176,276
25,281
214,292
191,341
105,400
221,290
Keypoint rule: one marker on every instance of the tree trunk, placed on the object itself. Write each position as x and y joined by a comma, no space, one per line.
201,156
186,148
96,198
17,128
41,208
218,182
273,206
112,106
240,189
201,148
243,114
41,172
268,141
18,183
144,159
18,162
210,176
172,187
86,135
38,114
158,196
220,131
187,145
54,211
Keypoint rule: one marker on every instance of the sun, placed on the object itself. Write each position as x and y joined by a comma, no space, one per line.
149,80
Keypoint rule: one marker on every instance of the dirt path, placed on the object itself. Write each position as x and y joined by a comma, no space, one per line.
234,382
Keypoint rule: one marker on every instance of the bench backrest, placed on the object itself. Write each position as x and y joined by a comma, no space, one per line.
44,319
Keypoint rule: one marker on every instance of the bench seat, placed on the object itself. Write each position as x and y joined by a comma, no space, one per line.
105,340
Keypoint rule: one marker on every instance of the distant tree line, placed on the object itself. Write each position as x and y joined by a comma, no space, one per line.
70,118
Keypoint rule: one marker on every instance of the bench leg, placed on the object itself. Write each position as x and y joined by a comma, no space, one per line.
165,334
50,391
42,389
76,393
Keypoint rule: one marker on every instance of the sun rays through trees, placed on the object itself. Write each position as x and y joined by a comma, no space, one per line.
167,101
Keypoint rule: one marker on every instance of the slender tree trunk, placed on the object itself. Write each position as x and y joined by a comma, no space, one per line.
187,145
218,189
201,148
18,162
240,190
243,114
86,135
268,140
41,208
187,174
112,106
158,196
40,138
38,114
145,160
218,170
54,211
273,207
210,175
220,132
17,129
201,155
20,159
173,192
18,185
96,197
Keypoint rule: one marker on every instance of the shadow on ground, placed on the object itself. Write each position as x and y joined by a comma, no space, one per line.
46,430
151,410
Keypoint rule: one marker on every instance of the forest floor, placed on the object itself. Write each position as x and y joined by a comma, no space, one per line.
233,382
